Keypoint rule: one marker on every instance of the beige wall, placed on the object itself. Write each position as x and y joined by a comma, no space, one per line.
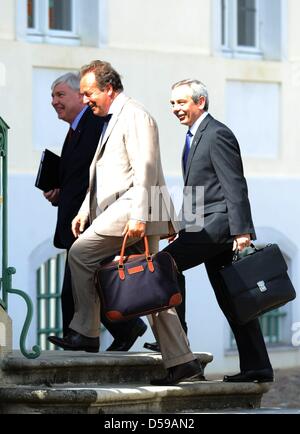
293,29
7,19
158,25
148,75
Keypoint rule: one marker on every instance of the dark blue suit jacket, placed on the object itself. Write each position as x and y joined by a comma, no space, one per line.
215,163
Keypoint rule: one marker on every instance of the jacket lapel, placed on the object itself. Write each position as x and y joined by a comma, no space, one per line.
80,127
77,134
196,142
70,144
113,121
103,140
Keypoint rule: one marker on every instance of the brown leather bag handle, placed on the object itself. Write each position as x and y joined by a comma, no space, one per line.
122,256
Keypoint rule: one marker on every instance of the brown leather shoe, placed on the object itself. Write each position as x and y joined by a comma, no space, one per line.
184,372
74,341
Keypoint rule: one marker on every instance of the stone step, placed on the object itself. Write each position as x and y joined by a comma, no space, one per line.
62,367
130,399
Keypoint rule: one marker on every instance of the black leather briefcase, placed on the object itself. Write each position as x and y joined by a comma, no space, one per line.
138,285
257,282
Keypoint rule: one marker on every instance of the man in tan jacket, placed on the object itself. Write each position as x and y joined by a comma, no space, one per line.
124,173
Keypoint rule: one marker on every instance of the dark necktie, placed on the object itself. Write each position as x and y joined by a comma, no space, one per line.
187,148
70,134
68,142
107,118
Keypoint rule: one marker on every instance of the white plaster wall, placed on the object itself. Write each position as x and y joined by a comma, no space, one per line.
169,25
148,74
293,30
7,19
48,131
248,101
31,224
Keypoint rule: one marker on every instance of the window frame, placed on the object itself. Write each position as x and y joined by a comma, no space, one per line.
41,32
231,46
224,30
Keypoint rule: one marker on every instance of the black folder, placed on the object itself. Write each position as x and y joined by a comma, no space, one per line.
48,175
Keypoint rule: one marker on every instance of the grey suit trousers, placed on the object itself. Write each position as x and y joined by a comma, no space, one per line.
84,258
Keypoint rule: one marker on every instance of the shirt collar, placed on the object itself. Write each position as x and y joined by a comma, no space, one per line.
196,125
117,104
76,121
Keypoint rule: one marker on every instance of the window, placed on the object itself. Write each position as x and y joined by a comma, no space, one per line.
246,23
224,25
66,22
31,21
251,28
50,19
240,26
60,15
49,283
272,326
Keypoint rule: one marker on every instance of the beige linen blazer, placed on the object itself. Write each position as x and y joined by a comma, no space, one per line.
126,177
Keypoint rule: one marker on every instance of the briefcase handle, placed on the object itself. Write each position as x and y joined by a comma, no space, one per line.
245,252
122,256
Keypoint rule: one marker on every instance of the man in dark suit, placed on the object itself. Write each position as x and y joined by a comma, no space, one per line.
212,160
76,157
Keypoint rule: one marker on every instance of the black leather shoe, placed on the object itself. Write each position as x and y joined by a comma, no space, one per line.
124,344
255,376
76,342
184,372
154,346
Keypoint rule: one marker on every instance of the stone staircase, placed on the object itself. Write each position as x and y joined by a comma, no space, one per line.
110,383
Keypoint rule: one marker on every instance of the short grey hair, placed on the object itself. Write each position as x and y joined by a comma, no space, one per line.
71,79
199,89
